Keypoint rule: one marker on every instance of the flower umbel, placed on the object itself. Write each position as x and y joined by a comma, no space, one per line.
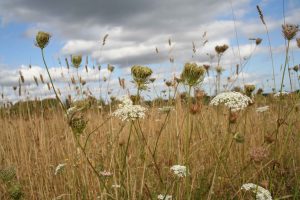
164,197
127,111
232,100
261,193
179,170
262,109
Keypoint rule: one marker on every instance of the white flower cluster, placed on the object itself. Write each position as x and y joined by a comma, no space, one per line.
283,93
261,193
128,111
233,100
164,197
262,109
166,109
179,170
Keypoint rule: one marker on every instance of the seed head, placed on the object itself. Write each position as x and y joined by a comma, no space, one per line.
239,138
296,68
42,39
152,80
220,49
258,154
219,69
194,109
7,174
140,74
258,41
289,31
169,83
298,42
249,89
110,68
192,74
76,61
78,124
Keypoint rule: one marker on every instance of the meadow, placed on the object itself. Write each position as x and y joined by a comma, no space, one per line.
237,144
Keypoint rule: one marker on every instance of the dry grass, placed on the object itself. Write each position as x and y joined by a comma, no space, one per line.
35,145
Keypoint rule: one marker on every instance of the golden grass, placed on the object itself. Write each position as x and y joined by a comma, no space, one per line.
36,145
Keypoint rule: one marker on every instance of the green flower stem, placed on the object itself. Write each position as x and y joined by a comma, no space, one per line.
51,81
91,165
285,64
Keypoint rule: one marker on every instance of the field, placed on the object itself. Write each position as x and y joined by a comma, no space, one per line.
234,143
266,151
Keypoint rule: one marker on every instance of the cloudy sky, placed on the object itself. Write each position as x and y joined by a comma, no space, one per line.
136,28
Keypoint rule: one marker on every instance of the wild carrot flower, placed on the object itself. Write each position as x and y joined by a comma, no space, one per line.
106,173
164,197
128,111
116,186
283,93
232,100
261,193
166,109
179,170
262,109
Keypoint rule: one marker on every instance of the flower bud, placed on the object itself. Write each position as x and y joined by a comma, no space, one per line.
42,39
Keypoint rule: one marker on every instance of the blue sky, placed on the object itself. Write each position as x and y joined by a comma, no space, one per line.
135,29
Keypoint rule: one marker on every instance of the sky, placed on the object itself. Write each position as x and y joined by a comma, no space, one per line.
135,29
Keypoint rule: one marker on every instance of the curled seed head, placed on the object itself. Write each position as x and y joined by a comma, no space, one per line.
258,154
76,61
141,74
249,89
194,109
192,74
78,124
42,39
258,41
289,31
219,69
220,49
